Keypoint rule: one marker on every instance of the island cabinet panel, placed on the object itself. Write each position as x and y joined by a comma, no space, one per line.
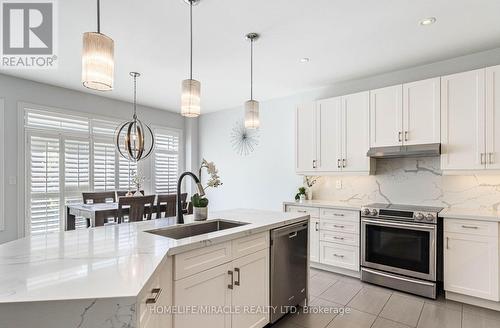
191,262
314,240
204,289
251,290
471,258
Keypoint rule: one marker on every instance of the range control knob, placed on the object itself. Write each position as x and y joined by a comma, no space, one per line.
373,212
430,217
419,216
365,211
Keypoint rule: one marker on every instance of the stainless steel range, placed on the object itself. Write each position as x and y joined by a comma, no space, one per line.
399,247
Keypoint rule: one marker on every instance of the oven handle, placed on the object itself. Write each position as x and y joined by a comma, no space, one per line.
402,225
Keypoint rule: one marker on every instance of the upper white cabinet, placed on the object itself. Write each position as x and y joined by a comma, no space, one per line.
469,136
305,138
421,112
386,122
492,157
332,135
407,114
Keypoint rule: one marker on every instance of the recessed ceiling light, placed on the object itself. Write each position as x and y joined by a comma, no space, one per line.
428,21
304,60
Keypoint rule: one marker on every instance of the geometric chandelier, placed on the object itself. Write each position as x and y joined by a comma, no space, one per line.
134,139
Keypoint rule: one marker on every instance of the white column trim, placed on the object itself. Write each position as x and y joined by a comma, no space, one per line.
2,164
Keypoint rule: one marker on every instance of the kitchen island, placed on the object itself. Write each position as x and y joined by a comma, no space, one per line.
125,276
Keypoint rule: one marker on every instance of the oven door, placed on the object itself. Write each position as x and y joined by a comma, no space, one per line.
404,248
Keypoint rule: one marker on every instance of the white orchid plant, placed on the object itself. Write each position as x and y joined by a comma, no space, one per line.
213,182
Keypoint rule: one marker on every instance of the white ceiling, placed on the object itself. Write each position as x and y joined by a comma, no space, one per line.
344,39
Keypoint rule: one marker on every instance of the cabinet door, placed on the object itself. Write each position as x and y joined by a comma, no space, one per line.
305,138
463,120
251,290
493,117
314,240
329,135
421,112
471,265
207,288
386,122
355,134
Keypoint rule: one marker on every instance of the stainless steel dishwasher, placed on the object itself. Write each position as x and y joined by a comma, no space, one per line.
288,267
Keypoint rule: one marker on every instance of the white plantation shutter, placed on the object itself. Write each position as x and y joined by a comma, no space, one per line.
166,161
126,170
44,181
54,121
104,166
76,165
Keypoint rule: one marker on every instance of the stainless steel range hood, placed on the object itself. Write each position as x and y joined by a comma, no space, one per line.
405,151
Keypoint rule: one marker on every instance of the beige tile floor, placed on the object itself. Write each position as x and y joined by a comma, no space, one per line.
371,306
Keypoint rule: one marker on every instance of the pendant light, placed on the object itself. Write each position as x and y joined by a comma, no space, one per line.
98,58
252,106
190,99
134,139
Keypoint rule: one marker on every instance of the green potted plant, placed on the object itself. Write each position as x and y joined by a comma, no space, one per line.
301,195
200,204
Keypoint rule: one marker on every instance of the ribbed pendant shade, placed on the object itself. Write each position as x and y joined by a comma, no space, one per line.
98,61
252,114
190,99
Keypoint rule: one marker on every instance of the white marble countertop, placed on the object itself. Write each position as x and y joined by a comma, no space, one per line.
110,261
327,204
480,214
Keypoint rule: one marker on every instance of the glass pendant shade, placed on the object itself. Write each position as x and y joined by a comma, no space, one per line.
98,61
252,114
190,99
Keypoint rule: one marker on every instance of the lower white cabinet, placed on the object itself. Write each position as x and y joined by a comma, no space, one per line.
239,285
471,258
314,240
333,237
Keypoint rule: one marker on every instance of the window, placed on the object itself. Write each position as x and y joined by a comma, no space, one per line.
166,161
68,154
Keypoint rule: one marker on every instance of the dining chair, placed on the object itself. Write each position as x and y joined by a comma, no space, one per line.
166,203
136,207
98,197
122,193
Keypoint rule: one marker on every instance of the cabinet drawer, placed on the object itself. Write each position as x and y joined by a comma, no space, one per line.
340,225
471,227
312,211
338,255
189,263
339,237
328,213
251,244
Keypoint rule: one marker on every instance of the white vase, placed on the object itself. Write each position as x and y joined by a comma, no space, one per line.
200,213
309,193
302,198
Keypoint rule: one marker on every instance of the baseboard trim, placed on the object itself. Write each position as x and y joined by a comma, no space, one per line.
326,267
473,301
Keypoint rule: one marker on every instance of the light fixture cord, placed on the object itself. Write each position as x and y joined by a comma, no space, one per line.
251,69
191,39
98,16
135,96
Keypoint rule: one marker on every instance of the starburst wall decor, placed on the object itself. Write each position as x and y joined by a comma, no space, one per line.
243,140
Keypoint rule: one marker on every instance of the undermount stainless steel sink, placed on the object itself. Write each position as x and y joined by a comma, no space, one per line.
195,229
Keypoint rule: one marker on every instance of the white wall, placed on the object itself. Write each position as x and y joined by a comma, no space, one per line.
266,178
15,90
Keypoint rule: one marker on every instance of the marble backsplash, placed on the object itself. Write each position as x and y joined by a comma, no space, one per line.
416,181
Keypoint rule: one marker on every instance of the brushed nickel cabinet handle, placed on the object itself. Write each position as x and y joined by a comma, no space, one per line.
338,226
341,256
447,242
314,164
469,227
344,162
338,163
337,214
230,286
339,238
400,135
153,300
237,281
301,211
406,135
490,158
482,159
316,226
